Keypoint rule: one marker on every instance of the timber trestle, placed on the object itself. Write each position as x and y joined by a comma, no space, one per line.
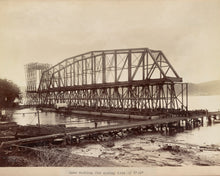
112,132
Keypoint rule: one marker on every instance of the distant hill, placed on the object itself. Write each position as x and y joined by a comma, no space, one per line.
205,88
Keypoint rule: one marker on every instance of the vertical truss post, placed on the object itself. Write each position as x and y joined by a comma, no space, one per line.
159,95
65,75
78,72
86,71
59,80
82,69
167,96
129,66
147,64
74,75
186,96
160,63
182,95
116,66
92,72
171,96
103,68
143,66
71,72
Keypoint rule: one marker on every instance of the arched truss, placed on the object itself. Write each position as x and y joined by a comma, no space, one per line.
122,79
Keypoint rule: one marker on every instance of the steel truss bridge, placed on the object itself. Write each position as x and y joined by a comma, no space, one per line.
139,80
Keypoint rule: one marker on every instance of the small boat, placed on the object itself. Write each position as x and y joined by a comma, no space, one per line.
216,120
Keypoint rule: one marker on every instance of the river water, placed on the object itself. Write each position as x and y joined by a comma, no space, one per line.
30,117
208,134
205,135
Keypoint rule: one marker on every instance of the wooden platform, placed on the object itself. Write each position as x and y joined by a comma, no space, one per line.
99,130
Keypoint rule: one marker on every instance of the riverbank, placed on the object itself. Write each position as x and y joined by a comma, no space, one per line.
153,150
137,151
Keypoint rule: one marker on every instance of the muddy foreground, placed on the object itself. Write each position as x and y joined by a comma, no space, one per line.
153,150
137,151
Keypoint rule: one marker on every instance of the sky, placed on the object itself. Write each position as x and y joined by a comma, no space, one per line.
51,30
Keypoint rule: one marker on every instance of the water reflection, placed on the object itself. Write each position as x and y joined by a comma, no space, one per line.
29,117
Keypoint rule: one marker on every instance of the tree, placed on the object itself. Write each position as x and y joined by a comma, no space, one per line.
8,92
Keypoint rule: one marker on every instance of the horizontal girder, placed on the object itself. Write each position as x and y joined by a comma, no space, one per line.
110,85
142,98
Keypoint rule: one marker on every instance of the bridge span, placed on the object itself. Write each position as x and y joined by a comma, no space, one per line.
121,80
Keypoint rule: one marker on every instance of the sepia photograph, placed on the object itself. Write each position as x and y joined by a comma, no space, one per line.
107,87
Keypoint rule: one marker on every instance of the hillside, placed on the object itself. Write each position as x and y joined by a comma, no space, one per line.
205,88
